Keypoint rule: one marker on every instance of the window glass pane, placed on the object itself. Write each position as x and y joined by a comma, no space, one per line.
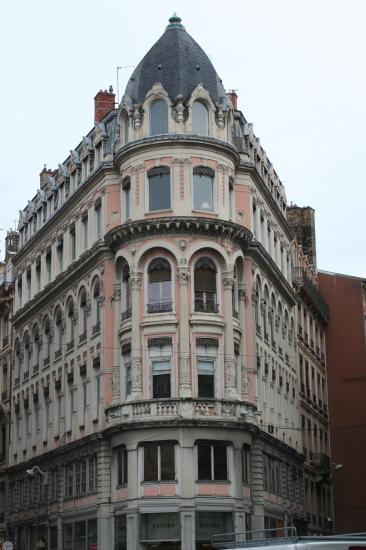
79,535
151,463
92,532
199,118
67,542
158,118
220,462
161,386
202,192
167,463
128,200
206,385
204,462
159,192
121,533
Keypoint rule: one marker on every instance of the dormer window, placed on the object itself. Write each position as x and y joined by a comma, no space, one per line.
199,118
158,118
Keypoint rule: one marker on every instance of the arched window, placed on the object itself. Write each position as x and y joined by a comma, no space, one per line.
159,188
199,118
70,325
126,293
17,363
26,357
35,351
205,295
46,343
159,286
203,184
58,334
158,118
82,317
96,308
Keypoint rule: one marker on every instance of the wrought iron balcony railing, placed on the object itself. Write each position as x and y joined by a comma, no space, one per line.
160,307
127,314
207,307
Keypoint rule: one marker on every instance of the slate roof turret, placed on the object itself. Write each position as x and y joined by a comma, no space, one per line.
179,64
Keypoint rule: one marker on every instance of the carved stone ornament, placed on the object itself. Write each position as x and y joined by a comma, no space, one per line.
135,280
277,321
228,279
263,306
183,276
184,370
220,117
254,296
179,110
242,293
230,372
116,294
136,116
136,373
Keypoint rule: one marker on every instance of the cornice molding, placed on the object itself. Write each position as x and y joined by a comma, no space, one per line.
169,140
78,269
203,227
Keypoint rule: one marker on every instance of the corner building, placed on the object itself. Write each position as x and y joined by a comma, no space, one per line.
155,380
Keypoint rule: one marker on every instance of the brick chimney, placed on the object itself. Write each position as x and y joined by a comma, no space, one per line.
234,99
104,103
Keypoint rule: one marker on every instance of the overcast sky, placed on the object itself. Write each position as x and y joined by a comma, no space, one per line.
298,65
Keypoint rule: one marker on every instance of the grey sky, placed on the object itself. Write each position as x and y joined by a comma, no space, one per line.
299,67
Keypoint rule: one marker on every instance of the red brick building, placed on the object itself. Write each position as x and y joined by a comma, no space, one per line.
346,371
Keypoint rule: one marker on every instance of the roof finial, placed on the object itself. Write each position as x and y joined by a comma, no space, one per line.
175,23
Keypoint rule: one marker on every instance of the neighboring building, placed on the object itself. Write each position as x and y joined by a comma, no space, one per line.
312,318
156,389
346,359
6,308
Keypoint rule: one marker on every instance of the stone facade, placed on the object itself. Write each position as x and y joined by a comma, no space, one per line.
156,384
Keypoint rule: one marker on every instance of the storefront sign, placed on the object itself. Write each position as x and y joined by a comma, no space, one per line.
213,523
159,527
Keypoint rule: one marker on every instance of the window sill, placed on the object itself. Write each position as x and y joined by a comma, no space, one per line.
167,482
211,213
218,482
123,486
163,211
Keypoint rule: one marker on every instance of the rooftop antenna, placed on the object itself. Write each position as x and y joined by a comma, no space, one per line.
118,69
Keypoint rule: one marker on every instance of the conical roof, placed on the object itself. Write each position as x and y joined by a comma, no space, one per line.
179,64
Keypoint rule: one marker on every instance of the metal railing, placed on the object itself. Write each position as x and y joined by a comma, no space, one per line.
127,314
160,307
261,537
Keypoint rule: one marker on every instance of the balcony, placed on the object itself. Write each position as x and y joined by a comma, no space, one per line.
96,328
4,395
82,337
46,361
16,380
5,341
235,314
58,353
322,461
205,306
70,345
127,314
160,307
35,369
26,376
181,408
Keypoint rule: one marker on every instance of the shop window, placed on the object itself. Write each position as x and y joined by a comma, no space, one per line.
203,186
159,286
206,353
122,467
160,355
159,188
159,462
212,461
158,118
205,297
199,118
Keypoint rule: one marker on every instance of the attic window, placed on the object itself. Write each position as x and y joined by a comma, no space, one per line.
199,118
158,118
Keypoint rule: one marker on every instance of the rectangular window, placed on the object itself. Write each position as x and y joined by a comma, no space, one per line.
206,351
246,465
160,354
70,480
98,217
122,467
203,178
92,481
29,283
159,188
84,229
126,359
159,462
60,253
48,263
212,462
38,273
72,242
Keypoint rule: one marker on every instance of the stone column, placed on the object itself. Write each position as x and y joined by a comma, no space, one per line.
188,529
136,354
230,363
243,344
257,486
132,526
104,512
185,381
116,375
